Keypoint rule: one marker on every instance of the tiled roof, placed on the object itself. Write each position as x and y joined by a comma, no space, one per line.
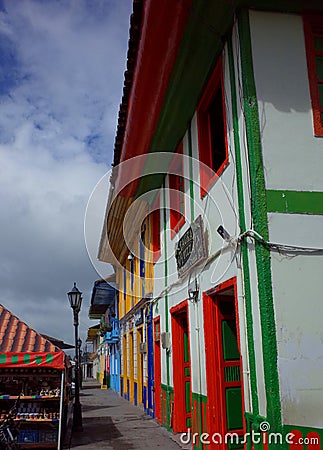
134,36
16,336
58,342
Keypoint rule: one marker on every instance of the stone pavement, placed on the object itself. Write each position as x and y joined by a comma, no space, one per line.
111,422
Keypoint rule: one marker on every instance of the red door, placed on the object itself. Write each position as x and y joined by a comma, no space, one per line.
182,408
223,366
157,369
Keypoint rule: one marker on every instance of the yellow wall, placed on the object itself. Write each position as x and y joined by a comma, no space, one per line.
133,367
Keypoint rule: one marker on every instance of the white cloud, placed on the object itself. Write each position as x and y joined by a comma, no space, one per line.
58,112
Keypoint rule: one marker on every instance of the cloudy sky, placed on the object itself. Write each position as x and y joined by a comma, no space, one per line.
61,78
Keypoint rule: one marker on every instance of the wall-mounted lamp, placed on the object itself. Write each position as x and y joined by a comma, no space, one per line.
130,257
193,291
223,233
165,340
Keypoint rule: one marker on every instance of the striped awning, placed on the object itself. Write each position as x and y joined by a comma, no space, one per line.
20,345
35,359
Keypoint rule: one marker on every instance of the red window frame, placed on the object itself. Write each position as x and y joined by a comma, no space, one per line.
210,170
313,28
176,183
155,227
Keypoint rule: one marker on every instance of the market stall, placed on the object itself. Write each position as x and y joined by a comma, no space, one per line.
33,370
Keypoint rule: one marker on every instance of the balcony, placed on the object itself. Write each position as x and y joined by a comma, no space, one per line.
112,337
103,295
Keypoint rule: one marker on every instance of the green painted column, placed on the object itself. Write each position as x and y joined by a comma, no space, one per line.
260,224
242,224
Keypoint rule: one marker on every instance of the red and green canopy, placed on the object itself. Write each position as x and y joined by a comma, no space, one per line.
53,360
23,347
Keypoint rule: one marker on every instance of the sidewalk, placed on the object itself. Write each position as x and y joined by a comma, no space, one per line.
111,422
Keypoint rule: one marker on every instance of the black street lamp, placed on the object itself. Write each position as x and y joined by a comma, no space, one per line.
80,361
75,299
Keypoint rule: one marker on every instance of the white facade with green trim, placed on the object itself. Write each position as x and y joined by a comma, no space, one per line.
292,160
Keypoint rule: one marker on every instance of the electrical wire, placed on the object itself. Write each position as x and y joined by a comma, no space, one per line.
236,42
287,248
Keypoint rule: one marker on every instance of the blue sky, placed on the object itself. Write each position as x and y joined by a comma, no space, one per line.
61,79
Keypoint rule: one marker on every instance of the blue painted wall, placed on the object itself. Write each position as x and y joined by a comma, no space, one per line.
150,349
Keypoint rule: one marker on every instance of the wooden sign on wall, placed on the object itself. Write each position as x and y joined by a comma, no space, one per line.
191,247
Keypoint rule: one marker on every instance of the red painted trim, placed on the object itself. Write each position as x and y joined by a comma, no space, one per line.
207,175
216,410
176,170
296,439
211,352
312,435
162,29
155,229
177,227
179,411
236,307
312,23
157,373
222,286
179,307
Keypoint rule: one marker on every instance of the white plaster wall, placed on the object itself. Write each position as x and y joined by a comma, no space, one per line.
163,352
297,290
159,283
197,348
257,333
159,291
218,208
178,295
293,157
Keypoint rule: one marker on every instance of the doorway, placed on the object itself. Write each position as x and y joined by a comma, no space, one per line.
157,371
181,411
124,378
140,367
223,365
131,363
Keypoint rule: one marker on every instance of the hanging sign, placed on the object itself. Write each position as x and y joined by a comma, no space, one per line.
191,248
138,317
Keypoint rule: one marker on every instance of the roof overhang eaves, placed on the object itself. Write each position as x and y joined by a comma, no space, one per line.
195,51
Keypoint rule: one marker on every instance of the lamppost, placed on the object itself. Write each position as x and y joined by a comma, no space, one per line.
80,361
75,299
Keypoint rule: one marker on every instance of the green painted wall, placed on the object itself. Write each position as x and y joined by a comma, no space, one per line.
199,406
295,202
305,432
167,393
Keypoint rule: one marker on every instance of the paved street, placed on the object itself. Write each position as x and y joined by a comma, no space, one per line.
111,422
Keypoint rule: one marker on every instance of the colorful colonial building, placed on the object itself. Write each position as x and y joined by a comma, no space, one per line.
214,220
105,335
135,313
